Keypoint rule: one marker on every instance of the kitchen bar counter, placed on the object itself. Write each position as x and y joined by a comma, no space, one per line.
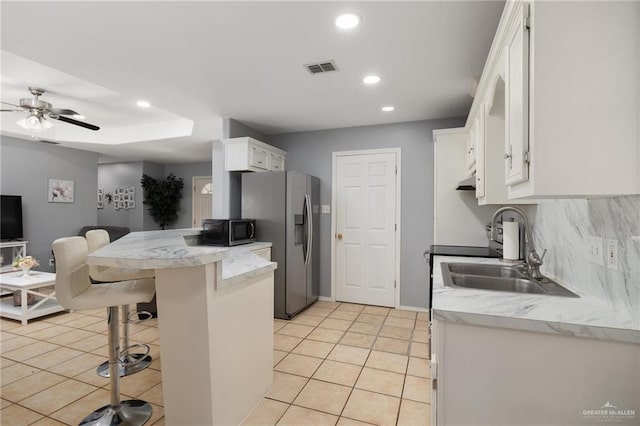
179,248
215,316
581,317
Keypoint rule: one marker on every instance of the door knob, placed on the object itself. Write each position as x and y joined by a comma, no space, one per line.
339,236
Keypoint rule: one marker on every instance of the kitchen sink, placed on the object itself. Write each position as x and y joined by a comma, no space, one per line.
511,279
481,270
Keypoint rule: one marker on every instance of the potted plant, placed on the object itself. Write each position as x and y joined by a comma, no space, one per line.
163,198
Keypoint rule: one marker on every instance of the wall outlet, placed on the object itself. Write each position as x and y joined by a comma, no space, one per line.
326,209
594,251
51,262
612,255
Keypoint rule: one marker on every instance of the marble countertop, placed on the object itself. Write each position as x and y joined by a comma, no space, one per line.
582,317
175,249
242,264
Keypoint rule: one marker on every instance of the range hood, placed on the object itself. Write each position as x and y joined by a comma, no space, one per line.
467,184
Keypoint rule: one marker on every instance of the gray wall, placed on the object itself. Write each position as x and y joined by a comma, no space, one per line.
26,168
111,175
311,152
120,174
187,171
235,129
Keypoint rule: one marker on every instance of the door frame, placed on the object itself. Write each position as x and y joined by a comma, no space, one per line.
334,179
193,195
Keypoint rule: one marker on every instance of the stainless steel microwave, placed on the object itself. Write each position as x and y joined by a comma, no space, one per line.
228,232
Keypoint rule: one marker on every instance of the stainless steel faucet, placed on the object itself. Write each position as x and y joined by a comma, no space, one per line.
533,259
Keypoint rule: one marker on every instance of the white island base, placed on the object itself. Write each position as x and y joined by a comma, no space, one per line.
228,371
215,318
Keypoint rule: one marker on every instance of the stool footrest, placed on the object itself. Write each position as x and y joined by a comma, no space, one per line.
143,361
146,315
125,359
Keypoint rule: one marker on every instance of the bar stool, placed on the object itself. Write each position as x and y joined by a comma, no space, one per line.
75,291
130,363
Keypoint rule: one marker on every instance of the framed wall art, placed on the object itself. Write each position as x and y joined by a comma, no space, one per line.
60,191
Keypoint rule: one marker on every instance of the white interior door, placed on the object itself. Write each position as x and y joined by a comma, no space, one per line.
365,219
202,200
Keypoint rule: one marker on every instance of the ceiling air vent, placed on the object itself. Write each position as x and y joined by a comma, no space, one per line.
321,67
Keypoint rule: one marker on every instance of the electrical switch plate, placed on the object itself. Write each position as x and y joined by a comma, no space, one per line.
612,255
326,208
594,250
51,262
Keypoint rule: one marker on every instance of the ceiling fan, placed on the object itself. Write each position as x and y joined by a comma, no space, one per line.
38,111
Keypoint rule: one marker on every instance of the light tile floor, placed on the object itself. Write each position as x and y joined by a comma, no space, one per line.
336,363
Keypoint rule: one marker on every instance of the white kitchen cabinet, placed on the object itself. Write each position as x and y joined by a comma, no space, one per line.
478,137
471,154
571,75
275,161
517,96
248,154
488,133
497,376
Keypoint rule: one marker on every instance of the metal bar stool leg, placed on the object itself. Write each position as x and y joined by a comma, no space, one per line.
131,363
133,412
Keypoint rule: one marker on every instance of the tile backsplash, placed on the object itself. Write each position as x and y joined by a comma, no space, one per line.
563,227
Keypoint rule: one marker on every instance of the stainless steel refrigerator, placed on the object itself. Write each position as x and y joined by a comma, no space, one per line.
286,208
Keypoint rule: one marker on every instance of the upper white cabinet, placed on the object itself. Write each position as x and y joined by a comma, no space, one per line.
516,61
477,135
471,153
570,76
248,154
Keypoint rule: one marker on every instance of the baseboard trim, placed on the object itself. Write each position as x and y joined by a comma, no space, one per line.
401,307
413,308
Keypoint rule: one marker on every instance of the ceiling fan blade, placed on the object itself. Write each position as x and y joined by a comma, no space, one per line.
11,110
8,103
76,122
63,111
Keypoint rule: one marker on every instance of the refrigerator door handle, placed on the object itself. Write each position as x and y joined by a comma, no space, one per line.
307,202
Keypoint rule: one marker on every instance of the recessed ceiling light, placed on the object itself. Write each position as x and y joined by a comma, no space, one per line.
347,21
78,117
388,108
371,79
143,104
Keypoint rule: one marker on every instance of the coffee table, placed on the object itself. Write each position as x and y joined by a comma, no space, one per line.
12,281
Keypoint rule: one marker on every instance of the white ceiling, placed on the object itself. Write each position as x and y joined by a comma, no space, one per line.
201,61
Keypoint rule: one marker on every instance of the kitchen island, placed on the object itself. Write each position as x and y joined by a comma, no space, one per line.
215,315
546,359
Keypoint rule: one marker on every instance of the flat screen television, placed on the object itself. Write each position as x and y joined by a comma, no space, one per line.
11,213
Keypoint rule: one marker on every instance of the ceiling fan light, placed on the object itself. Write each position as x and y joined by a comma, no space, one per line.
23,123
34,123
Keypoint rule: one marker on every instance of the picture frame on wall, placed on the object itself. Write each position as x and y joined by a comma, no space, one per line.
60,191
100,198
